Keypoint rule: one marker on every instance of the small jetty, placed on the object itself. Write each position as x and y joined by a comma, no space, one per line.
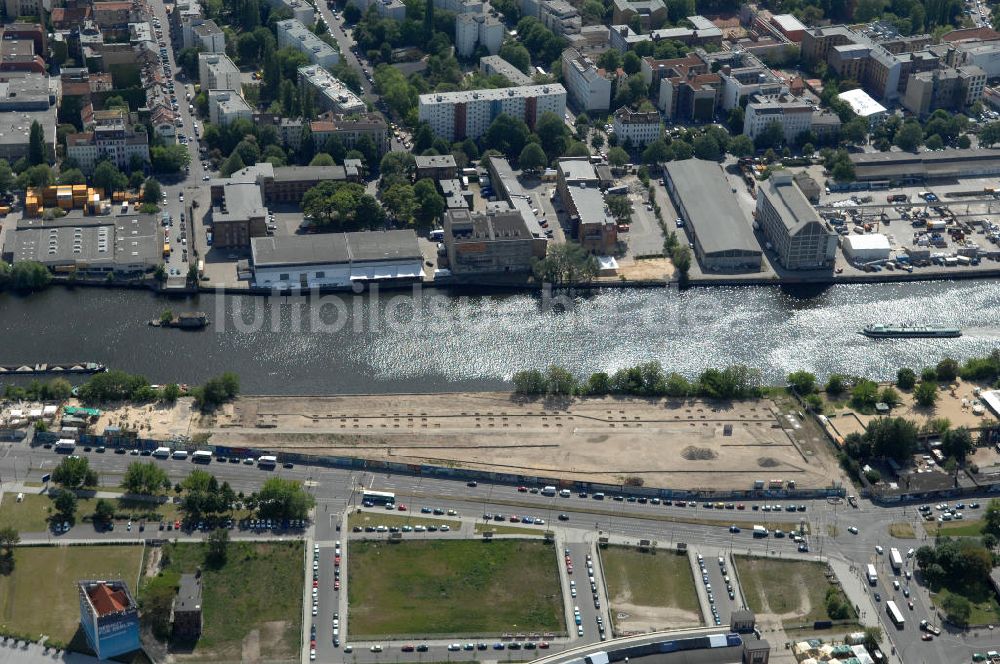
191,320
45,368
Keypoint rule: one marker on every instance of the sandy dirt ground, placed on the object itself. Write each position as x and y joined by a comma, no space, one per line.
665,442
631,619
648,268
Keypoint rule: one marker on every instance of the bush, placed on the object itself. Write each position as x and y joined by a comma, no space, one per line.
906,378
216,391
925,393
928,374
836,384
802,382
530,381
947,370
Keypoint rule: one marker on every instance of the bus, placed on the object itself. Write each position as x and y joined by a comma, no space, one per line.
378,497
894,615
201,456
267,462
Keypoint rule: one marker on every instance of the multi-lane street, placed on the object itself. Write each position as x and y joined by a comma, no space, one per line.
705,531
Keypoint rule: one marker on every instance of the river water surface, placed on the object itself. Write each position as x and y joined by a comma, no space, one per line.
436,342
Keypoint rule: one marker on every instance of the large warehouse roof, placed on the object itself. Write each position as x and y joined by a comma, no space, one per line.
719,223
331,248
940,164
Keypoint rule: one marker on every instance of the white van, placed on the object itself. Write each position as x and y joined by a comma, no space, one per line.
179,454
162,452
564,493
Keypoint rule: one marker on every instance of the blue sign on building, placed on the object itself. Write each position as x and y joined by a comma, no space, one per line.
109,616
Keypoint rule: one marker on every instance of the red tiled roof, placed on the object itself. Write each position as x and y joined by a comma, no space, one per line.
981,34
106,600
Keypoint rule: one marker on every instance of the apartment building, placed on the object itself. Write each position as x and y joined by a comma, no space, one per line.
495,65
589,87
651,13
209,37
948,88
559,16
300,9
17,8
473,30
461,6
456,116
331,94
350,129
293,34
801,240
112,138
625,38
683,88
793,115
742,83
636,128
226,106
217,72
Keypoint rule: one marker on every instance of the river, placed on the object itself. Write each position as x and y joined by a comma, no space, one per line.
430,341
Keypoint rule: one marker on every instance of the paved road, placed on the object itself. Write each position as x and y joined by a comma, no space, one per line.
337,489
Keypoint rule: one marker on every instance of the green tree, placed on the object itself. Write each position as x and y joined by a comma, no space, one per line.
322,159
566,264
171,392
772,136
151,191
113,386
947,370
279,498
706,147
560,381
802,382
74,472
991,518
532,381
507,135
906,378
218,547
741,146
65,504
631,63
892,437
957,443
104,511
72,176
27,276
35,176
656,152
617,157
430,204
7,179
217,391
957,608
835,384
865,394
109,178
169,159
889,396
532,158
9,538
36,144
909,136
145,479
925,394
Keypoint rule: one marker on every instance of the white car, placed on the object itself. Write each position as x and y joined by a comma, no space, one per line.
879,550
376,648
853,530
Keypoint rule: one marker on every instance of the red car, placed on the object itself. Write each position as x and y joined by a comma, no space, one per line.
401,508
522,489
741,506
514,519
543,645
177,525
926,637
315,583
336,584
336,561
408,647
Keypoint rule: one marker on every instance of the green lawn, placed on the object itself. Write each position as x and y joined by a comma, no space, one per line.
31,515
661,579
390,519
501,529
457,587
40,595
985,608
258,588
793,589
963,528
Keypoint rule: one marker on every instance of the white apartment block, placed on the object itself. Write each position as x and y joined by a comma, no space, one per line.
637,128
794,117
226,106
331,94
472,30
459,6
209,37
588,87
300,9
494,64
559,16
456,116
294,34
217,72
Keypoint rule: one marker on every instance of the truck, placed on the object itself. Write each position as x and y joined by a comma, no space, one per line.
871,575
549,491
65,446
927,627
162,452
895,559
267,461
201,456
759,531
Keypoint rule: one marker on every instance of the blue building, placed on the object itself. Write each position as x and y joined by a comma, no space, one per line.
109,616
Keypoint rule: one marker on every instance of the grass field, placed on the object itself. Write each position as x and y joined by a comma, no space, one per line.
500,529
460,587
31,515
40,596
793,590
655,589
985,609
902,530
390,519
256,596
963,528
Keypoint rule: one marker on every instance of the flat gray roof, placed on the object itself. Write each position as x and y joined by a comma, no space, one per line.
435,161
326,248
577,169
885,165
123,240
296,173
718,221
